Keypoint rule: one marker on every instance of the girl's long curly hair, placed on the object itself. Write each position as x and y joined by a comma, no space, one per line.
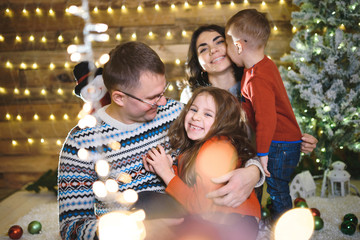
230,121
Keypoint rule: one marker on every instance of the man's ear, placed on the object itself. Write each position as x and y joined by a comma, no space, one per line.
239,46
118,98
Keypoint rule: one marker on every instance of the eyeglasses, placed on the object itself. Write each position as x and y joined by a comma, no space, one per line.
153,105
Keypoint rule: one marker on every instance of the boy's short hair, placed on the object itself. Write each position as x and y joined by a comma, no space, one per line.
250,25
127,62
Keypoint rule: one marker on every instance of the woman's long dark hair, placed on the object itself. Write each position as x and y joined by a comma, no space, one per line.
229,122
196,76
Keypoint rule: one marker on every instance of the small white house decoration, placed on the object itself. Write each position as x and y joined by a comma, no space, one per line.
303,185
338,180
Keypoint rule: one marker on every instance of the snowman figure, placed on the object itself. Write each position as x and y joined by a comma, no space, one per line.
93,92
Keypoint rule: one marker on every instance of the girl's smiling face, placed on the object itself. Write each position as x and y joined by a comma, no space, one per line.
200,117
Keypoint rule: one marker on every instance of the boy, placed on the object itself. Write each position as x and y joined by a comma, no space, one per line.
264,98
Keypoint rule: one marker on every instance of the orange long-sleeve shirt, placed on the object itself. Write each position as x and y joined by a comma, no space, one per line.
216,157
267,106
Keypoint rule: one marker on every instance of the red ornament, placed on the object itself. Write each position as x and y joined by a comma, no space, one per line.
297,200
315,212
15,232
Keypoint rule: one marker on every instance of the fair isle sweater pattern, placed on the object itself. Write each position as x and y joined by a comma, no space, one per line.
78,205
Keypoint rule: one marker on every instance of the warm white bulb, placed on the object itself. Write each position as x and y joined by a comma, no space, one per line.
102,168
83,154
130,195
111,186
104,58
99,189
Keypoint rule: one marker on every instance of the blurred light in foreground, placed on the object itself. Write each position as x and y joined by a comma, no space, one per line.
130,195
122,225
111,186
102,168
295,224
99,189
83,154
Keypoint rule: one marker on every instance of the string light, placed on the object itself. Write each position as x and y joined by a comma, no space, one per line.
263,3
282,1
66,65
25,12
2,38
294,29
16,91
66,117
139,8
52,66
42,140
36,117
31,38
38,11
8,64
18,117
60,38
23,65
27,92
58,142
14,142
43,39
51,12
217,4
8,116
133,36
8,12
173,6
232,4
177,61
275,28
246,2
118,36
2,90
60,91
109,10
183,33
30,140
200,3
186,4
123,8
157,7
52,117
34,66
18,38
96,9
76,39
43,92
168,34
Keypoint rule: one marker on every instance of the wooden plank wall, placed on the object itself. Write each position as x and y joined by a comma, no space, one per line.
30,85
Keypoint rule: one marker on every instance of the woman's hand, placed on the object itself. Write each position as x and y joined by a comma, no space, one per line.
308,144
159,162
239,185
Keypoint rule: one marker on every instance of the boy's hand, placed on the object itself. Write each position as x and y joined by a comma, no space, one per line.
239,185
308,144
264,162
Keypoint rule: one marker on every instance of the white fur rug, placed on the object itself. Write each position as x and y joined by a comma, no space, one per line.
332,211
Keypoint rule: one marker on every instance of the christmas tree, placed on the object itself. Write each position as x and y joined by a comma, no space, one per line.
322,75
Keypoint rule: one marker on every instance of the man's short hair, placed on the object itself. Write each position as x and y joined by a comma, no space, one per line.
250,25
127,62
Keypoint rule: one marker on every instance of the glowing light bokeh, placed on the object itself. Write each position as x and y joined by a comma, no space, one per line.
295,224
102,168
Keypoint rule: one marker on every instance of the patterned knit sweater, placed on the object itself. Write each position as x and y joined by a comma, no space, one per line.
78,206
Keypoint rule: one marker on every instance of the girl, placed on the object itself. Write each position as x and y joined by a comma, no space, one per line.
210,134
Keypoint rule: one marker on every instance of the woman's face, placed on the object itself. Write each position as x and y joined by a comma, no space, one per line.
211,52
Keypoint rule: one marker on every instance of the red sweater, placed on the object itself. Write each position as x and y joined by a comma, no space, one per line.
267,106
216,158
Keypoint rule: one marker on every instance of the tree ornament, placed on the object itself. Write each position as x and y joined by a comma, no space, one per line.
351,217
15,232
318,223
299,199
301,205
265,213
315,212
34,227
348,227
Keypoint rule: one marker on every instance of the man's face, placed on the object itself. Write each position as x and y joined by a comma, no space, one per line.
233,47
150,89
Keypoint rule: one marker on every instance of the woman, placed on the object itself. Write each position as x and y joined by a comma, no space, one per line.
209,64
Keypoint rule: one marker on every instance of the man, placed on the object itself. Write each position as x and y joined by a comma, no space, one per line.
137,119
